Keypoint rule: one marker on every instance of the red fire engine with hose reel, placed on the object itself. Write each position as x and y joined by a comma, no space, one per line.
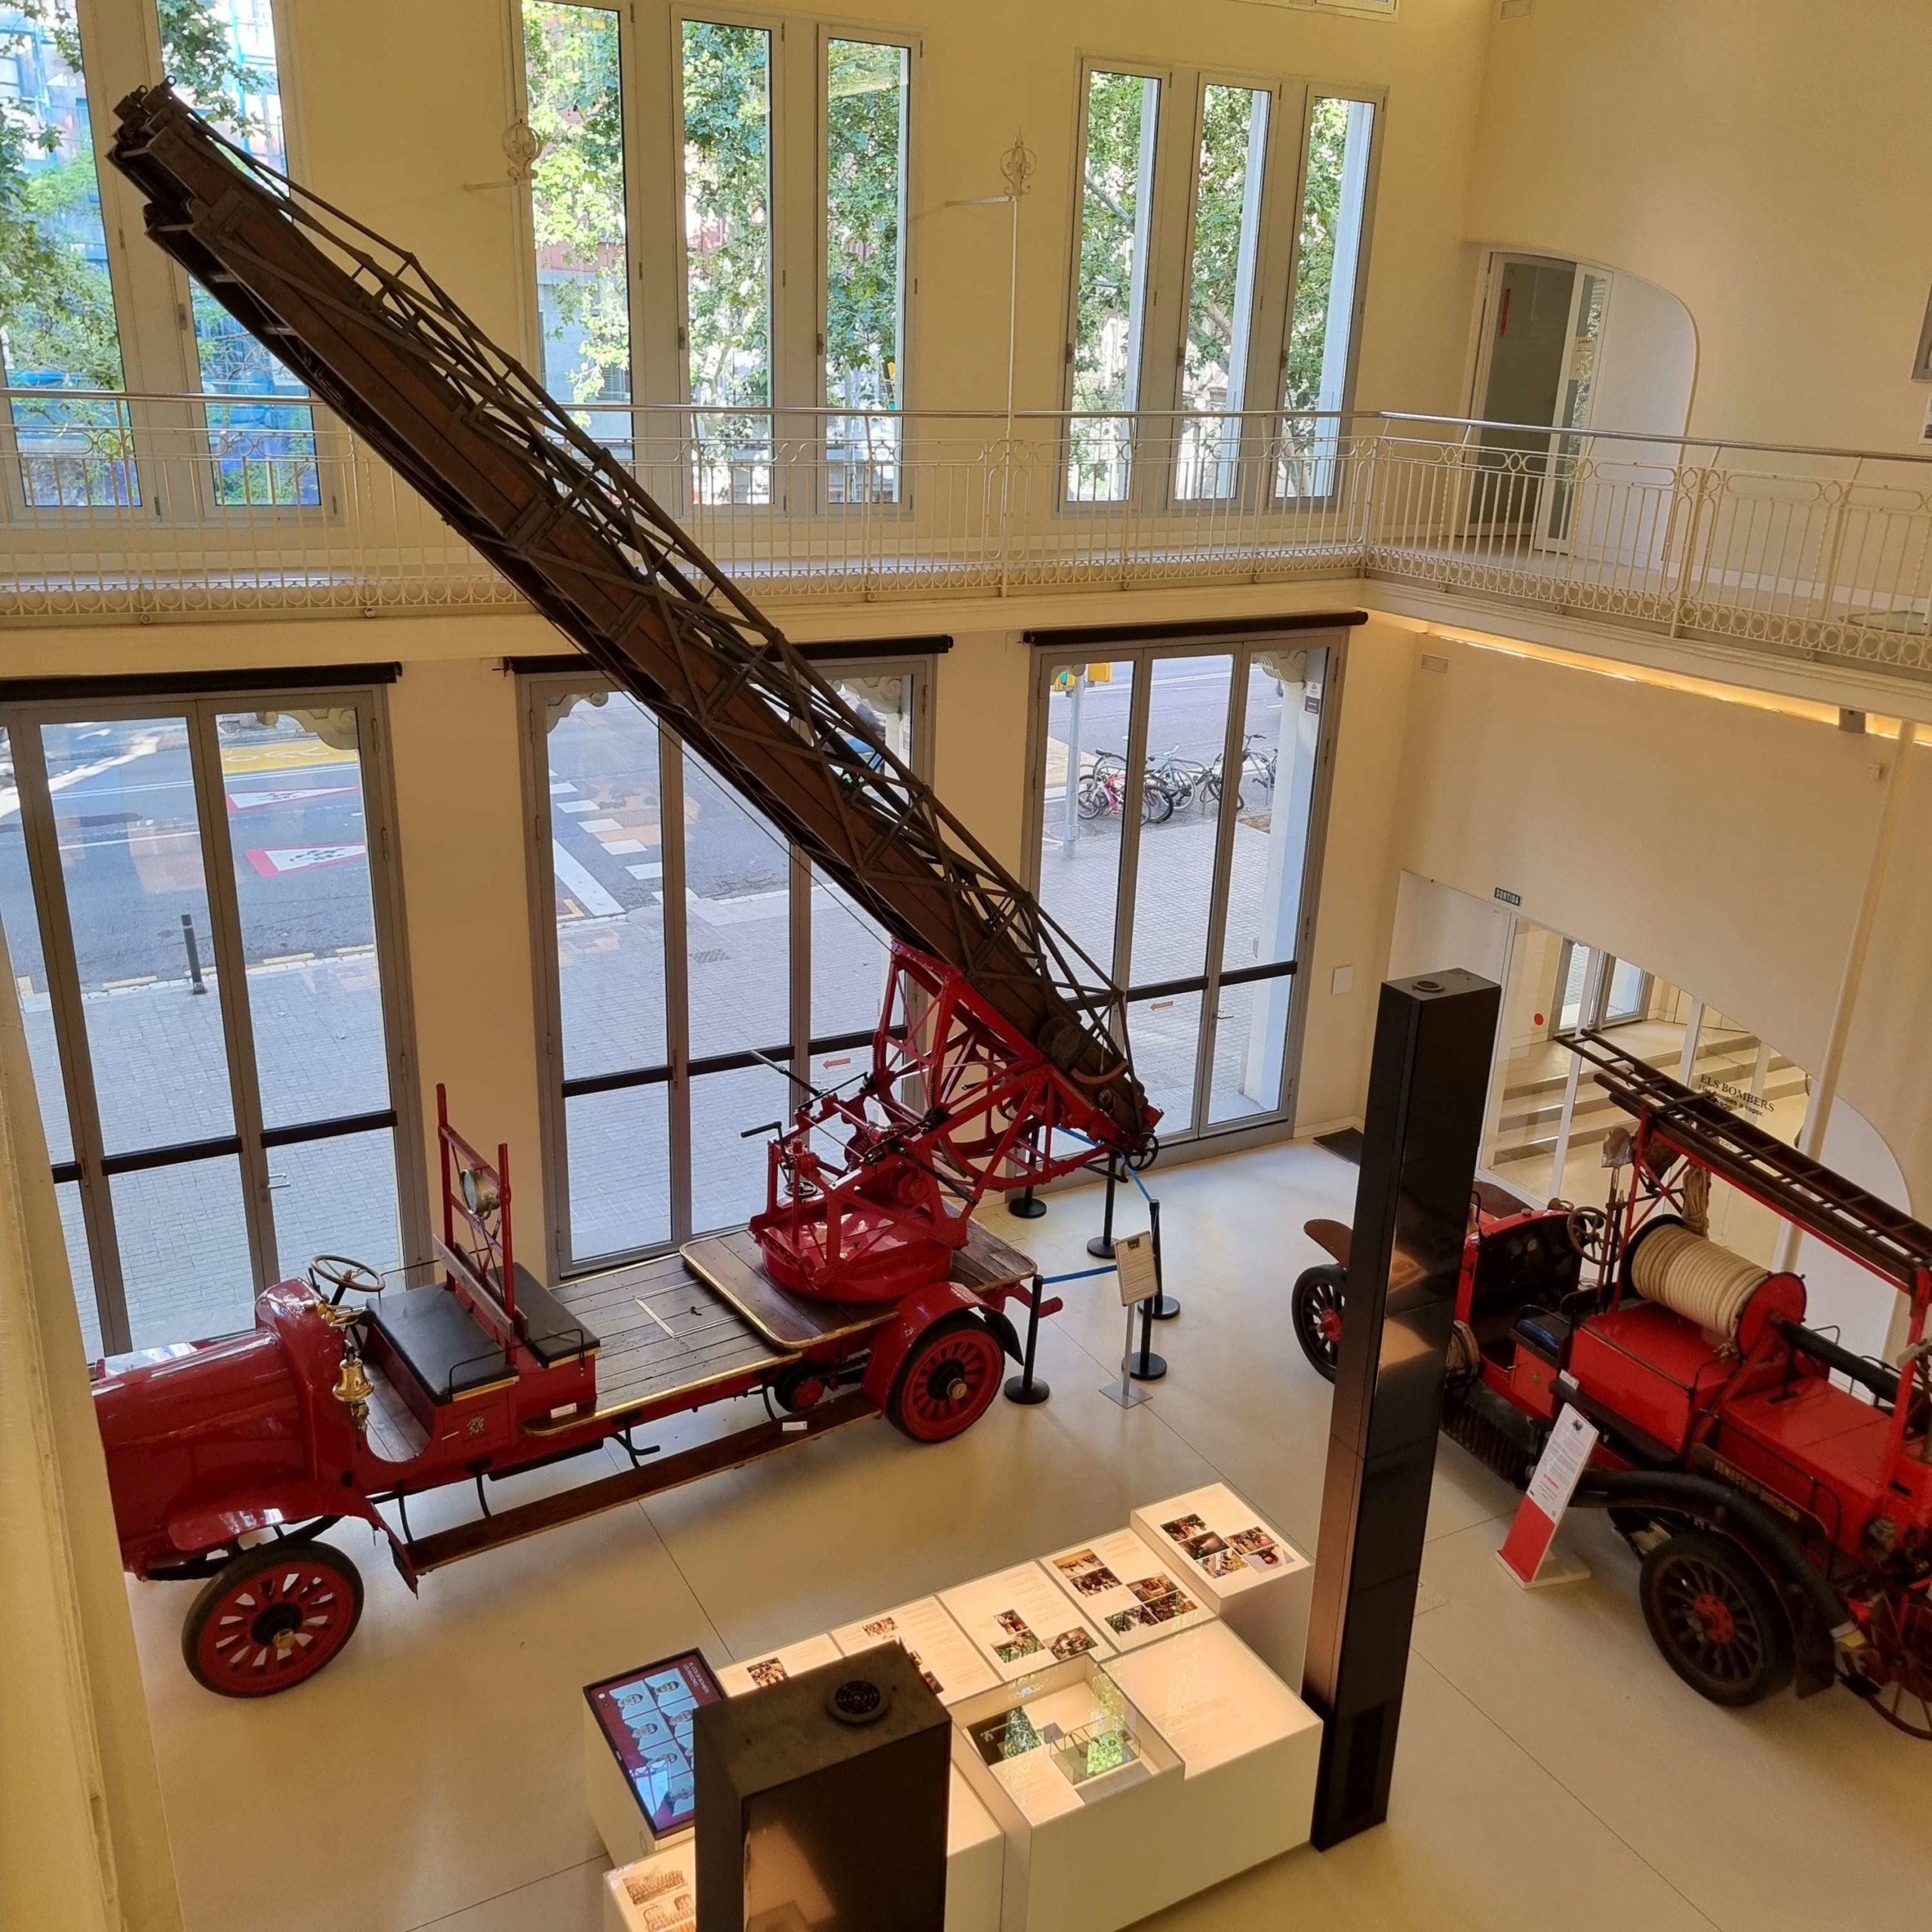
864,1286
1775,1487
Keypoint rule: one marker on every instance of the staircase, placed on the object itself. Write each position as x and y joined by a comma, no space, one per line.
1532,1109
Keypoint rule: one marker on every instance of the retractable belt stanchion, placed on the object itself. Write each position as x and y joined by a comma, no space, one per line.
1164,1307
1025,1387
1027,1205
1102,1245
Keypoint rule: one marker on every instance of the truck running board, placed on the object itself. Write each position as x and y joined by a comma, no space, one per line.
590,1499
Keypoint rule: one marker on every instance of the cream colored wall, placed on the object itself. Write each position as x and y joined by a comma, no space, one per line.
1764,160
403,108
1723,846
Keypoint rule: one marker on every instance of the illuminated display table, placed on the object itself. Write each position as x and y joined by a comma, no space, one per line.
1118,1744
1243,1568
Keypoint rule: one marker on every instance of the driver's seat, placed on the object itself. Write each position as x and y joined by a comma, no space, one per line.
441,1343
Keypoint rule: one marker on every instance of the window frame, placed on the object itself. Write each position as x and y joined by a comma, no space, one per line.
1054,650
1157,277
248,1141
678,1070
1375,99
1152,486
631,89
913,43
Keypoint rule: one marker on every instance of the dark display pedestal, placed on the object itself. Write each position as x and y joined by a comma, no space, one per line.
1433,1038
822,1801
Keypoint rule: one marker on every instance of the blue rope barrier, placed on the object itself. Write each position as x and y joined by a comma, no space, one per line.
1071,1134
1080,1274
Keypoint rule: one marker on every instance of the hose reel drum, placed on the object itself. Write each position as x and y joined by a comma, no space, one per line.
1725,1293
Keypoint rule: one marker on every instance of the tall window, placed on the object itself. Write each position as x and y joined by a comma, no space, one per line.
57,328
201,947
866,87
1110,295
1178,804
1328,253
220,55
699,966
1221,285
725,96
574,104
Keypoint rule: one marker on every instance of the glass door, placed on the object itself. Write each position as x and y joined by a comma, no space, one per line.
1177,796
200,924
701,974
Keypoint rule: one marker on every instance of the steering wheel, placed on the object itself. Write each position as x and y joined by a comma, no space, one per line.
1588,1230
345,1276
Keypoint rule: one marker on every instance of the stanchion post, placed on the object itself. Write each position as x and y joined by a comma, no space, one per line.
1101,1246
1164,1307
1025,1387
1027,1205
194,955
1146,1365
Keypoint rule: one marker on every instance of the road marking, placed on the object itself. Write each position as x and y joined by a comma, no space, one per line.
577,804
616,845
601,825
648,869
282,758
559,786
248,802
273,863
581,882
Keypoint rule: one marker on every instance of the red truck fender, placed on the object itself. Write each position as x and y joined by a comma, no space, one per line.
916,1314
196,1530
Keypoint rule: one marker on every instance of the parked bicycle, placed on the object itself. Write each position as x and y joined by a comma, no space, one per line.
1103,790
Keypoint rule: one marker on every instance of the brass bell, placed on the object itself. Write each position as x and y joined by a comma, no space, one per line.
353,1388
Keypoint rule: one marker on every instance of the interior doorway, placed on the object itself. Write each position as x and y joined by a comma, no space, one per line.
1543,322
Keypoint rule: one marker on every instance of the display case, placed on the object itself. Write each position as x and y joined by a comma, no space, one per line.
1135,1595
1021,1621
638,1774
1243,1568
1074,1775
952,1668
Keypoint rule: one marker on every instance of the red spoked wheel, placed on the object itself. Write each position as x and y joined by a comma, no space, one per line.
1901,1637
271,1618
1715,1616
947,1381
1314,1307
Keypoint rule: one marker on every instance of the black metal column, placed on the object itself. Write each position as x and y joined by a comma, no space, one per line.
1434,1038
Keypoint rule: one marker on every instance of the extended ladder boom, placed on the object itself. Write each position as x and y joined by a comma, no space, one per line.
390,353
1792,1184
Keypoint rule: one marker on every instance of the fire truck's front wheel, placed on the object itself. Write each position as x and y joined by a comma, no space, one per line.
1315,1309
271,1618
1713,1614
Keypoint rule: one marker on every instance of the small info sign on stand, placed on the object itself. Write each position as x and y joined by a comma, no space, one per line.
1525,1553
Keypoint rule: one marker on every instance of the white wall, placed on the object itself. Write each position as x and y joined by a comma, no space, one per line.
1764,160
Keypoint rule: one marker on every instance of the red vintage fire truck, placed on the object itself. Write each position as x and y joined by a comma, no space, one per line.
1775,1487
864,1286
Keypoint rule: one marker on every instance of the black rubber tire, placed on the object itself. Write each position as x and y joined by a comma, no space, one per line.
336,1571
1748,1656
1157,806
1317,1289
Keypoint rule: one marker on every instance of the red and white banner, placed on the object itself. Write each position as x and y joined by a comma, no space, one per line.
1558,1470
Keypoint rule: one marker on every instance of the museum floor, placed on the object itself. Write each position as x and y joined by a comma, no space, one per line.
1551,1768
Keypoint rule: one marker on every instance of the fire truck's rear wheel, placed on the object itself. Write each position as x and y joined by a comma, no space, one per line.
271,1618
1715,1616
1315,1307
947,1381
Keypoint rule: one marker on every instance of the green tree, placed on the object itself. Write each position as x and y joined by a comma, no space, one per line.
1314,259
727,211
572,80
865,164
56,304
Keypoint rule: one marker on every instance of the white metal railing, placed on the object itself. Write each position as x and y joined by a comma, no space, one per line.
155,506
